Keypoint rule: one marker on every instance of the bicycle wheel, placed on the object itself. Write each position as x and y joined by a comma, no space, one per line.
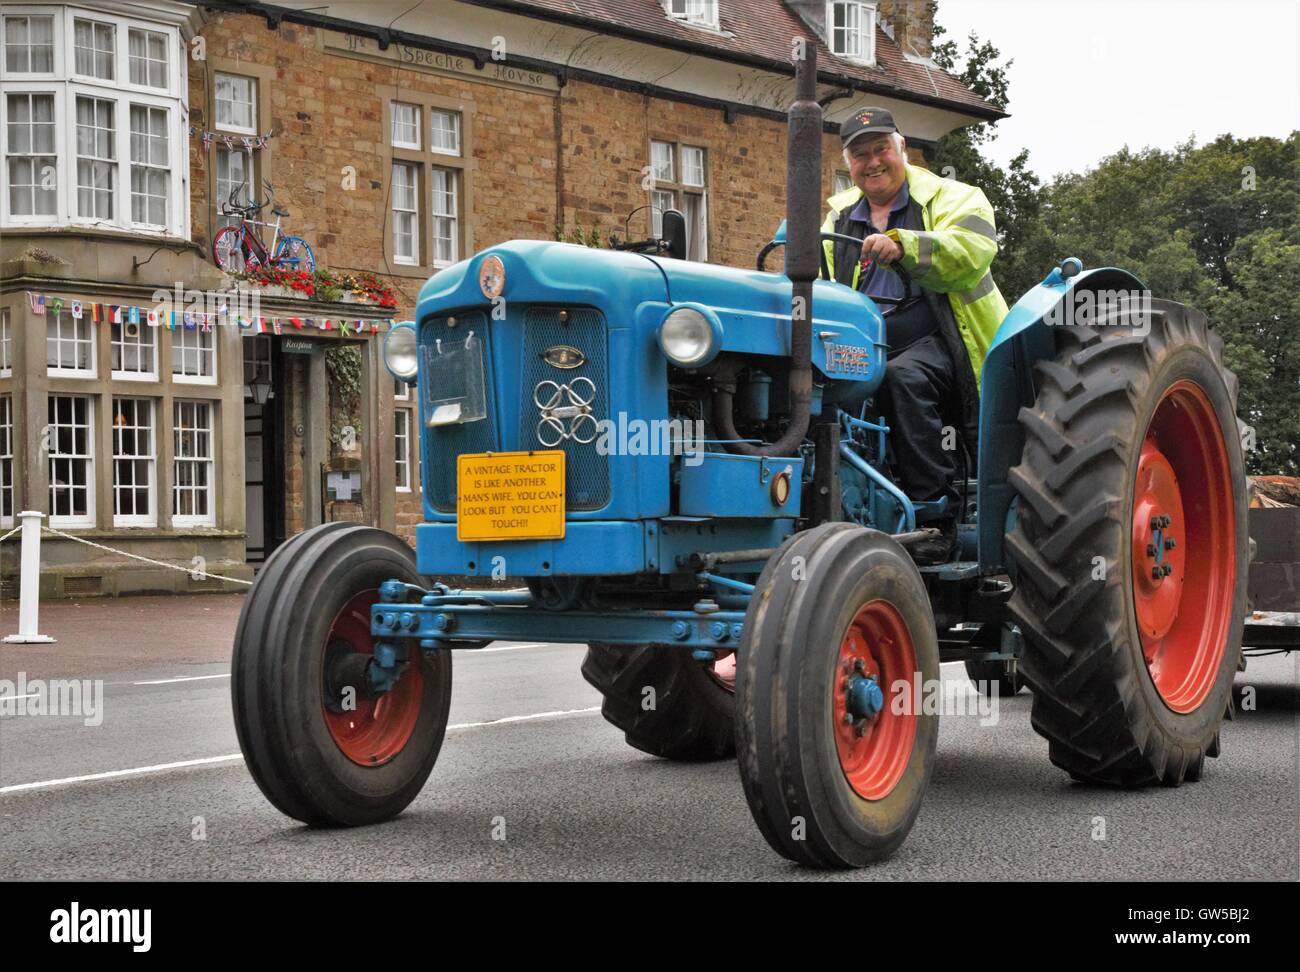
227,251
294,253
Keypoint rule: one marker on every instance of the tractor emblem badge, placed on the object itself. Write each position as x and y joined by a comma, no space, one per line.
566,412
564,356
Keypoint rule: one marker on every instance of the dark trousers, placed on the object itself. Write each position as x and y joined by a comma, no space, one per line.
916,401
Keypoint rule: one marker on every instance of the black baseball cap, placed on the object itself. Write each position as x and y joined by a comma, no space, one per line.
864,121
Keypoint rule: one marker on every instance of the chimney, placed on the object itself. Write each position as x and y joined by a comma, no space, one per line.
911,23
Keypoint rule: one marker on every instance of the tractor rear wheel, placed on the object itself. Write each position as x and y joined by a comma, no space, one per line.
1130,546
321,745
835,754
667,703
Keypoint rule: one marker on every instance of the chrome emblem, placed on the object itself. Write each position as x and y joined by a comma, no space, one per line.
563,356
561,404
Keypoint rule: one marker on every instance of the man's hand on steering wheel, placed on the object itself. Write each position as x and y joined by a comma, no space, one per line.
881,249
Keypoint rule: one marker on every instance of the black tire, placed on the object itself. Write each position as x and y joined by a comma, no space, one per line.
788,671
692,718
277,687
986,674
1094,698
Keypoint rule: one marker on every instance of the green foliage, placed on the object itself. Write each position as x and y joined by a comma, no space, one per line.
582,237
343,366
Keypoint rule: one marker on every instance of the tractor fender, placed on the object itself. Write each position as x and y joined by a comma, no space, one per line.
1023,338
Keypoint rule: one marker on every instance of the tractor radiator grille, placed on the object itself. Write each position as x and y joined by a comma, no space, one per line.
446,442
586,471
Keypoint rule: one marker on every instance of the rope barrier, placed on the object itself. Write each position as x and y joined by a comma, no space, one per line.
157,563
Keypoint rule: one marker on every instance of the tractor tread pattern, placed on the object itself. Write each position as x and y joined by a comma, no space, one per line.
1084,702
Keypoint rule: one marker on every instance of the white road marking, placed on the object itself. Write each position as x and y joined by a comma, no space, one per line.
115,774
186,678
211,760
524,718
15,698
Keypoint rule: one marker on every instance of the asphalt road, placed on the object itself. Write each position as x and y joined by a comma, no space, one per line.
529,748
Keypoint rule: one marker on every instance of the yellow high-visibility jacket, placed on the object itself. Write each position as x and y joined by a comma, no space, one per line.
951,255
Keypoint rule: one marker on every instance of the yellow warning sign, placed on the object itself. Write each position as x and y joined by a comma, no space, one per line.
510,496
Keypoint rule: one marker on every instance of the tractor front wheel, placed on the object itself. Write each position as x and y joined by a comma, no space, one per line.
839,645
1130,546
321,742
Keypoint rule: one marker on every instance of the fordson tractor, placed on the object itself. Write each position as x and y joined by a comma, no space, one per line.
748,590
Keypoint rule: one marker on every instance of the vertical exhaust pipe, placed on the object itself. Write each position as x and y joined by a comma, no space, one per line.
803,204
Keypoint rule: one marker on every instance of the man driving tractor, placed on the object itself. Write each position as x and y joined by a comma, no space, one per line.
941,232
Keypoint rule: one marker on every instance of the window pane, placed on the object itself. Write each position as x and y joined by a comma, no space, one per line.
95,48
29,45
147,56
661,161
444,132
692,165
235,109
406,125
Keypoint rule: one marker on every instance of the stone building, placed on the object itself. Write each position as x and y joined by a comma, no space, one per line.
399,140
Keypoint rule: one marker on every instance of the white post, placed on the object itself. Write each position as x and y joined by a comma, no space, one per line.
29,581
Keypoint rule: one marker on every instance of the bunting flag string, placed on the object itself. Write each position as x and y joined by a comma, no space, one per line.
103,313
249,143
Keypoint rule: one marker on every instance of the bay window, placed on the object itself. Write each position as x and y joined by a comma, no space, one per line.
72,460
93,121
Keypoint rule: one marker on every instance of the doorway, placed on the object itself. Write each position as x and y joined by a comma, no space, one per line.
264,494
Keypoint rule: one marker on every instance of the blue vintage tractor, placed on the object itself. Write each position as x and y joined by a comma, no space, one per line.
684,464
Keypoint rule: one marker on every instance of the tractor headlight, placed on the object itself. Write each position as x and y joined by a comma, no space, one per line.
401,351
690,336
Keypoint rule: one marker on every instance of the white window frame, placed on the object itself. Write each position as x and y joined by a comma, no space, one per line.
216,109
186,520
113,161
841,181
700,13
64,84
148,61
451,218
130,163
206,348
96,20
120,341
56,155
402,448
86,519
150,459
401,391
56,26
672,193
413,258
866,30
663,169
455,131
6,345
6,459
90,340
416,112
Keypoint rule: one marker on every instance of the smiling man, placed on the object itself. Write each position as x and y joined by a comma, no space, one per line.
942,233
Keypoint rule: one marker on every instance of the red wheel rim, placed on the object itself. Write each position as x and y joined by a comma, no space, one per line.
378,728
876,644
1184,547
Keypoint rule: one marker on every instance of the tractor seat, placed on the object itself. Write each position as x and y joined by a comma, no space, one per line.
279,212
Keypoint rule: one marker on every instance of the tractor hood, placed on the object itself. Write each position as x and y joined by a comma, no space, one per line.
634,290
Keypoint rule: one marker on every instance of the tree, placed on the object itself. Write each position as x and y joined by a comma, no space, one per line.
1014,191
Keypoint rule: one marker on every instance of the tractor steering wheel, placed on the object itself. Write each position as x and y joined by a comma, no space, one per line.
909,297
